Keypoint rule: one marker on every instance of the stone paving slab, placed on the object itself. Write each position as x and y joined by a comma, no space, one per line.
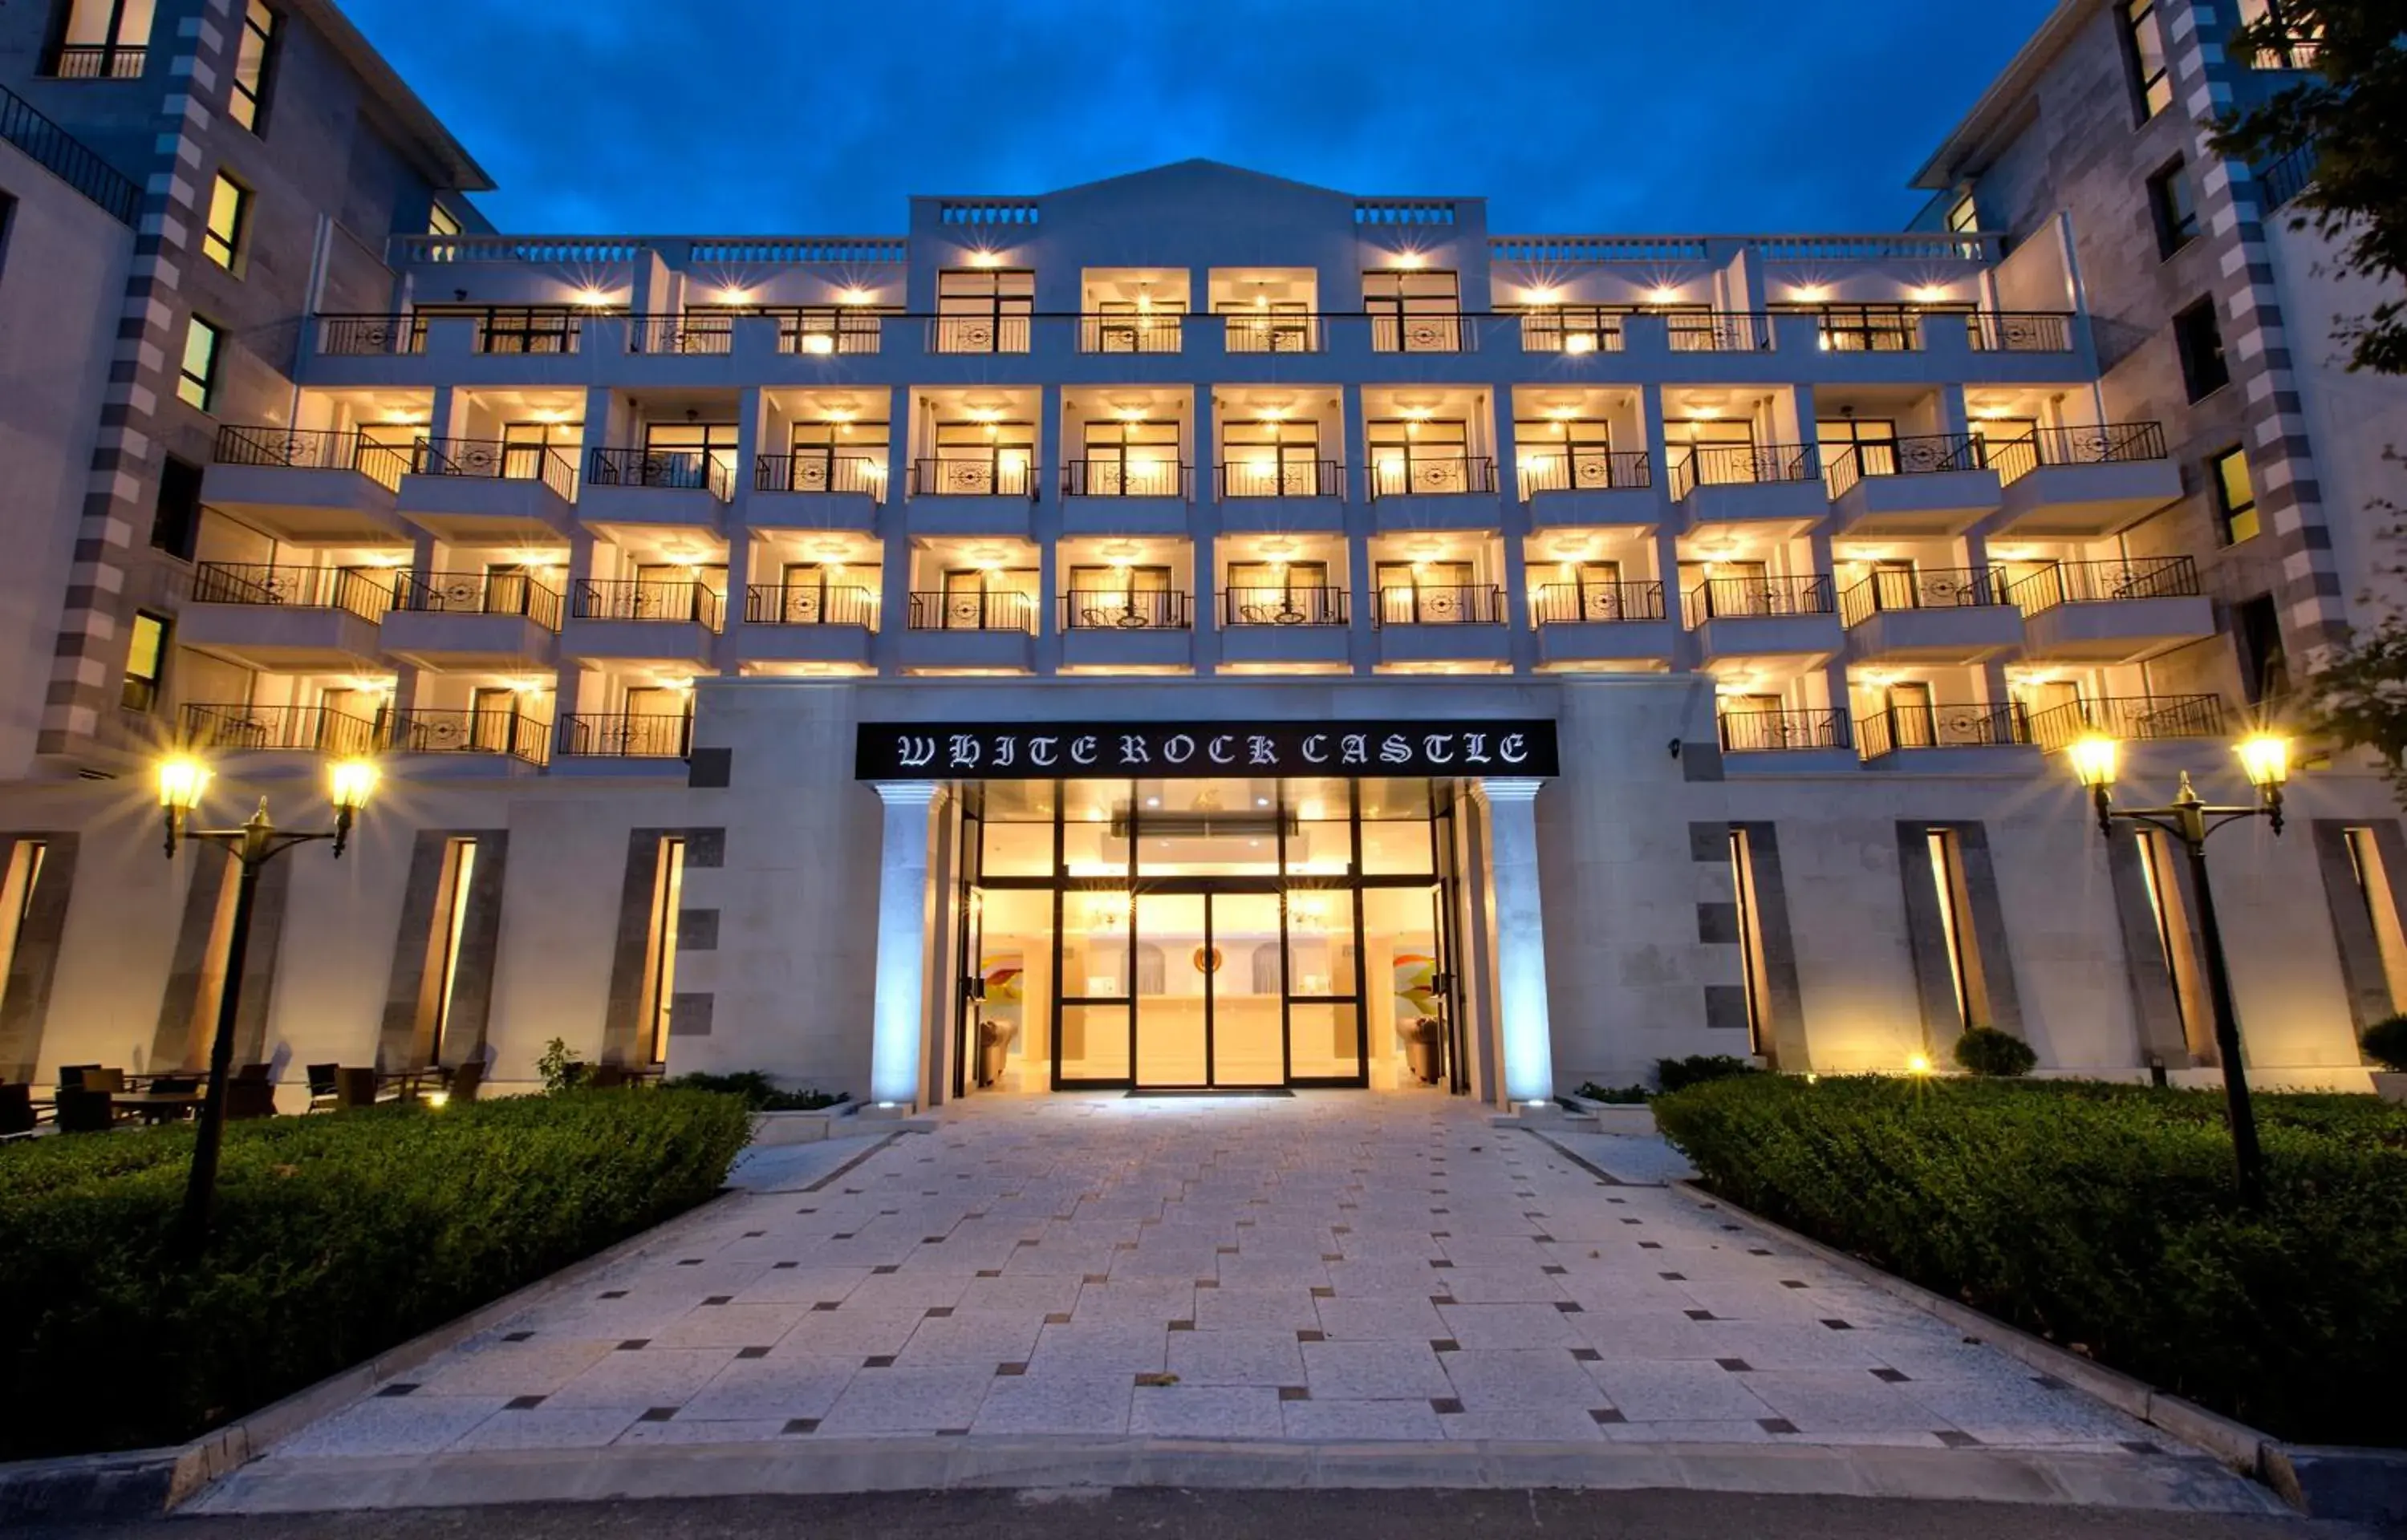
1338,1271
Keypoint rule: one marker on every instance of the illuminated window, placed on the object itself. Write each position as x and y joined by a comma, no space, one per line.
1750,945
222,242
2374,891
1948,878
1965,217
660,956
146,661
2235,495
254,66
440,222
2151,76
196,380
23,870
102,41
450,922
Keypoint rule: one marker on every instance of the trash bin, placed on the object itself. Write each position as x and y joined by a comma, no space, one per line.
1421,1049
994,1040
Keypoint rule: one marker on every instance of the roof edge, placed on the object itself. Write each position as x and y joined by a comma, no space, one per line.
433,142
1996,104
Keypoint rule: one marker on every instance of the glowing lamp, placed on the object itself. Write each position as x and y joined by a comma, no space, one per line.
182,779
2093,761
349,783
1918,1064
2266,758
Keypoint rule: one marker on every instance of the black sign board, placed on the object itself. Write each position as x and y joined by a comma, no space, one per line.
997,750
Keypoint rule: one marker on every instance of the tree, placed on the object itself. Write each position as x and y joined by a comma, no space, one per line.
2348,110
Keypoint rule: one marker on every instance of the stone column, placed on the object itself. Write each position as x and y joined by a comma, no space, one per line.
897,1014
1525,1040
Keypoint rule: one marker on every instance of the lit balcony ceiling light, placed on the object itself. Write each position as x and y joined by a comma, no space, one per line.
855,295
1547,295
1810,294
592,298
735,295
1663,294
1928,293
1406,260
986,259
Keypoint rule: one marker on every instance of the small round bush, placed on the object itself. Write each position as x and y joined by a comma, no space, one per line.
1696,1069
1986,1051
2386,1042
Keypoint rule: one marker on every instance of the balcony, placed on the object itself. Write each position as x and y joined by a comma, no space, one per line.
991,630
1125,497
984,333
1434,332
1952,615
681,486
1718,331
483,490
1570,329
97,61
1136,332
1451,623
354,336
985,493
1412,491
1269,332
1584,488
817,491
306,484
281,729
508,736
1611,624
826,333
1285,625
626,735
2084,483
2112,612
807,623
1749,483
1128,629
1262,494
2020,331
1903,735
704,332
1789,618
652,619
491,621
1907,488
2130,718
1818,731
278,617
543,329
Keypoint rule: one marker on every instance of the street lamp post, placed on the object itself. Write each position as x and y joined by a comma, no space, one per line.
2189,819
258,841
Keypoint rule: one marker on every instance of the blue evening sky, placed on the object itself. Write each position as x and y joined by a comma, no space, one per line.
740,117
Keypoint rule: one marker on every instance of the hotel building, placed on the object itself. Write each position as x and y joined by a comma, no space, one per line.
1193,630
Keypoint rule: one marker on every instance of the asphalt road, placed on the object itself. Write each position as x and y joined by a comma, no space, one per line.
1241,1515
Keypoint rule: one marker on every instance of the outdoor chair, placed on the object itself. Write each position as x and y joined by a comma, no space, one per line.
323,1096
258,1072
16,1108
354,1088
85,1112
248,1098
71,1075
95,1077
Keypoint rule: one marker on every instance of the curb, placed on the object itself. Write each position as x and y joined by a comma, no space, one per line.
147,1483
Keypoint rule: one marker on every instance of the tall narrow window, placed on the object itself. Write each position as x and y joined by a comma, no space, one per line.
2235,495
222,240
660,961
254,66
24,870
2373,890
146,661
7,223
984,309
1965,217
196,382
2167,910
2197,336
175,516
1413,310
450,922
2152,80
2264,667
1947,878
1750,944
102,41
2174,205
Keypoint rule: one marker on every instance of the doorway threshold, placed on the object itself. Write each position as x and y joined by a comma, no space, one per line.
1211,1091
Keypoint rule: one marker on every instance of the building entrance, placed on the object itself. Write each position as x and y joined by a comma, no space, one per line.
1205,935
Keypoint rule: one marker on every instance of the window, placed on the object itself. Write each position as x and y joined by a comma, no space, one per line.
984,309
2301,43
223,242
1413,311
197,379
23,870
2235,495
1947,878
2372,884
7,222
102,40
450,924
2152,80
660,957
253,67
440,222
1965,217
2198,336
2256,630
1750,945
176,517
2175,208
146,662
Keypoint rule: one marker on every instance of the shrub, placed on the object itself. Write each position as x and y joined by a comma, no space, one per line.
1696,1069
336,1239
560,1067
2386,1042
2102,1218
760,1093
1614,1096
1986,1051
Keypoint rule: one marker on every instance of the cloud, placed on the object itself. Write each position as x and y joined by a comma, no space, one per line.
796,116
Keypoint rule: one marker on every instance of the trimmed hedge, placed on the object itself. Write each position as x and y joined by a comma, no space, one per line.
336,1239
2103,1218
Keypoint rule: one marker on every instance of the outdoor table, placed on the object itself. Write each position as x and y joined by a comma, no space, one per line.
155,1106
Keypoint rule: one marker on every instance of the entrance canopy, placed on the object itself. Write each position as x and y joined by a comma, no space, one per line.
904,750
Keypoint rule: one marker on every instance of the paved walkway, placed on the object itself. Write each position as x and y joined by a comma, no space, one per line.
1329,1270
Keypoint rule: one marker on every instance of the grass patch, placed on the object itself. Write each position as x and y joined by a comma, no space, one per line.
2102,1217
336,1239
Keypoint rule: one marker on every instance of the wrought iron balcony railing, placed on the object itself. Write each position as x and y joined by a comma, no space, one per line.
1923,588
1145,331
1782,731
1865,328
497,460
311,449
1283,606
1718,330
366,592
1883,732
1003,474
1120,610
1570,329
1756,598
347,336
98,61
316,729
533,329
2131,717
1695,465
820,471
1264,476
2104,443
2020,332
676,601
818,334
1269,332
810,604
476,730
2106,581
68,158
1409,474
1583,471
699,331
626,735
1447,331
997,610
1129,477
1005,333
1927,454
1583,603
679,469
478,593
1443,604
